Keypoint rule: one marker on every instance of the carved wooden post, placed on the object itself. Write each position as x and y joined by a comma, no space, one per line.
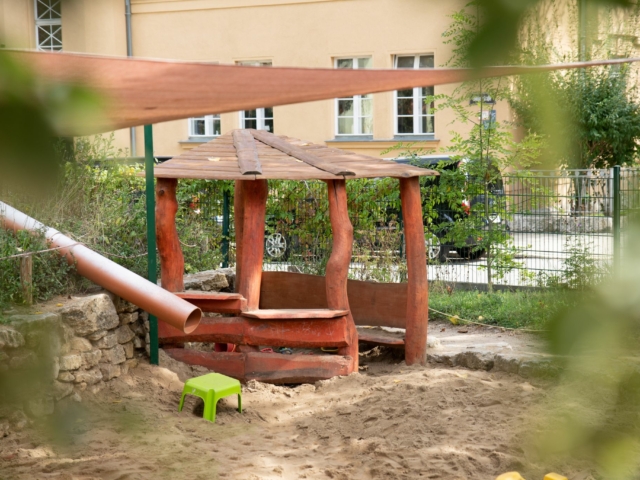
255,205
418,288
338,264
238,223
171,258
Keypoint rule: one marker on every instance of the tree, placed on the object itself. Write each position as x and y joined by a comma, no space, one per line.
487,150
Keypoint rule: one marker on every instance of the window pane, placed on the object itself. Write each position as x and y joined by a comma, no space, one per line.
345,108
268,112
405,124
365,62
197,126
249,123
345,126
50,37
250,114
268,125
426,61
405,93
216,126
48,9
345,63
366,125
427,108
427,124
427,91
405,62
405,106
366,105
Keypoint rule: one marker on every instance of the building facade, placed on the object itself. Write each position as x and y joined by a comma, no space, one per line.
358,34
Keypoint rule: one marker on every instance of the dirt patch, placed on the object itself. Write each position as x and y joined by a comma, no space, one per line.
391,422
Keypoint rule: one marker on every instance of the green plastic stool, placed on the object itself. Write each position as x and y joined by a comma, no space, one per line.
211,388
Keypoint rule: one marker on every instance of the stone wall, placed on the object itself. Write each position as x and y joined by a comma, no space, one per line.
72,349
80,344
549,221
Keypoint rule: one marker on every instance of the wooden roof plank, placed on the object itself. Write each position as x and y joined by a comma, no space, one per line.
297,152
247,152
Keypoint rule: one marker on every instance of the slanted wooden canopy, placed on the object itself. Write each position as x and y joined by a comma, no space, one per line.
256,154
251,158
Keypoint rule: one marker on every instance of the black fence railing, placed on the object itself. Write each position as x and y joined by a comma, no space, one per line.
545,228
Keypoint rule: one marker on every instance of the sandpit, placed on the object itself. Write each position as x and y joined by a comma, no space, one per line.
389,421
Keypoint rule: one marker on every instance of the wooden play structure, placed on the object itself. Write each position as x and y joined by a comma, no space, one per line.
287,309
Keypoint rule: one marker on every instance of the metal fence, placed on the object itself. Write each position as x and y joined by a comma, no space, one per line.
555,227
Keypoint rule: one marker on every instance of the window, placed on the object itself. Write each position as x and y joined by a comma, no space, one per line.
207,126
48,25
259,118
413,115
354,114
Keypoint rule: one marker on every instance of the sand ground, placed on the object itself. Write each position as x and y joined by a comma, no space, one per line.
388,422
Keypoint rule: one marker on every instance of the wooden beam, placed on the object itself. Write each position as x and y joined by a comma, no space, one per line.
274,333
171,258
255,203
297,152
230,364
211,329
277,368
266,367
238,223
338,265
370,303
247,152
216,302
418,288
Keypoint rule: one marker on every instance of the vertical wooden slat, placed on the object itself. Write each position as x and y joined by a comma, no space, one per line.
171,258
238,223
26,278
255,204
338,265
418,288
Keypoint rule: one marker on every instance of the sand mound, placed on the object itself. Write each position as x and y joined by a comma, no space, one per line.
391,422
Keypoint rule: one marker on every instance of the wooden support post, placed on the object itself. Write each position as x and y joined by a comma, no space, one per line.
171,258
338,265
238,223
26,278
418,288
255,204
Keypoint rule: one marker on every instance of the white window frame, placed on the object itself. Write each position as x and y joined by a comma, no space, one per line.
417,100
209,130
45,22
261,116
357,103
260,119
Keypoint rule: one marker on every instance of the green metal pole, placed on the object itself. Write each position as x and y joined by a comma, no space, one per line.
152,262
225,229
616,218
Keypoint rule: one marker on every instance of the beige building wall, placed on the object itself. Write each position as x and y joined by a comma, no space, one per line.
299,33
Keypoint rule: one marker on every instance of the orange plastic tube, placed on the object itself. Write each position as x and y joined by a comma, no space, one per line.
132,287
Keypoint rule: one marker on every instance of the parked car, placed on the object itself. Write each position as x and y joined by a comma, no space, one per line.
438,246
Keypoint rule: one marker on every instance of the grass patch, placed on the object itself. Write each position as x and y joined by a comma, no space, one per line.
531,309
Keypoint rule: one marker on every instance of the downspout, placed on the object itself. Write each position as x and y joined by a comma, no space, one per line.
127,16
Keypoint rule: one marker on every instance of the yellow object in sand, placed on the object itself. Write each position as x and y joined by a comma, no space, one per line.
517,476
510,476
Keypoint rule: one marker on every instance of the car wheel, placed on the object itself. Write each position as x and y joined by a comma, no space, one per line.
275,246
435,250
